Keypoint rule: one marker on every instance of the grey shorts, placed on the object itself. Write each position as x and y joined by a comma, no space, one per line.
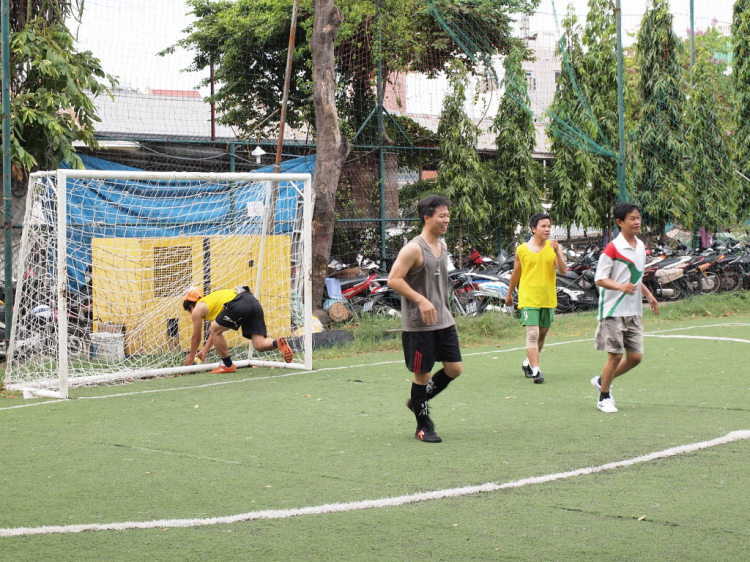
614,335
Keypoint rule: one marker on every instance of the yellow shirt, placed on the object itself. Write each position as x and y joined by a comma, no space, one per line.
216,300
537,287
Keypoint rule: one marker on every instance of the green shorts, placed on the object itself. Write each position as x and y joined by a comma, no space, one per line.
542,317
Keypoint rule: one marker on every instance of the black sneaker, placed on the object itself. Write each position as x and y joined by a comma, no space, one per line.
429,423
427,434
527,371
539,378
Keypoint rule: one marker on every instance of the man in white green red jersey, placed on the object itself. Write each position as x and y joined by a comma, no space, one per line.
619,276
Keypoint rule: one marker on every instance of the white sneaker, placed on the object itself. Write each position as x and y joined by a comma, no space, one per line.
607,406
597,385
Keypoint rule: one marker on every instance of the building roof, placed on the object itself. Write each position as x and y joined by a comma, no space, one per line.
168,114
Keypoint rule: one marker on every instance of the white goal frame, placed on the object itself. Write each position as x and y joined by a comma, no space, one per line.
59,388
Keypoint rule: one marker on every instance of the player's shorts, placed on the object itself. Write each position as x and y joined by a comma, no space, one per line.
243,311
542,317
423,349
616,334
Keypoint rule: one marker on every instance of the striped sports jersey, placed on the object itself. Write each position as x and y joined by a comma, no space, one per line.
623,264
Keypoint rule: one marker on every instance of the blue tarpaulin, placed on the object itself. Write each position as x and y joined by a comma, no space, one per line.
156,209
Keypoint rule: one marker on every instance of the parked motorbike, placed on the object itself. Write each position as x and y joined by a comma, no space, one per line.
474,293
699,275
728,266
576,290
385,302
663,274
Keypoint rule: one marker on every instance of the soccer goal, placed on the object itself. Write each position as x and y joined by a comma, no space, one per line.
107,257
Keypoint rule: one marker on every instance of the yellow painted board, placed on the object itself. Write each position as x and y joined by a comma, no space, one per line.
124,277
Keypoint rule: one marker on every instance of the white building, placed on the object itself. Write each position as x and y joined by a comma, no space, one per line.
421,98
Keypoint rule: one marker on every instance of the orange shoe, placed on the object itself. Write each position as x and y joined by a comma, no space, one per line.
285,349
225,369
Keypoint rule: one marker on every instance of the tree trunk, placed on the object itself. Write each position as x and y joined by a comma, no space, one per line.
332,147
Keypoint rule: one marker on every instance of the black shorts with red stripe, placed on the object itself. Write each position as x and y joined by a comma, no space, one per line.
423,349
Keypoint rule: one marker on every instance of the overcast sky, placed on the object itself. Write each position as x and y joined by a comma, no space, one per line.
127,34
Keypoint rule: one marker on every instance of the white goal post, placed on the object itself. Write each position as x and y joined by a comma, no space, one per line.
107,257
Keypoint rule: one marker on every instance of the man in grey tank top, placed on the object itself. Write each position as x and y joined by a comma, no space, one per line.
420,276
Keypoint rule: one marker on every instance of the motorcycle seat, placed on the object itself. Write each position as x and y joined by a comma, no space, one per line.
333,286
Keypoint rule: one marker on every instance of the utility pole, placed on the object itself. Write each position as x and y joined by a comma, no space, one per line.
7,198
282,117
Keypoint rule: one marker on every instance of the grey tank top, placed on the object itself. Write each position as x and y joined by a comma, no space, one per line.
430,280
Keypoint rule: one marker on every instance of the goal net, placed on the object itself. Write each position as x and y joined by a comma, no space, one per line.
107,257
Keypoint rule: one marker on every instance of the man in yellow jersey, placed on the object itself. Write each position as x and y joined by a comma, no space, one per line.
534,267
228,309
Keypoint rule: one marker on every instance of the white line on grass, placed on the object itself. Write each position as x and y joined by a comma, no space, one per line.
398,361
696,338
371,504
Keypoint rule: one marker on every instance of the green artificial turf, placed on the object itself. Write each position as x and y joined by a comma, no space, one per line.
272,439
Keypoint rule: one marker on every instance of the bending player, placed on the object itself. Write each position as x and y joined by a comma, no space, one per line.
228,309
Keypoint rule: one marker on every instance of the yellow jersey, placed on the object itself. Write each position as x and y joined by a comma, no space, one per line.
537,287
216,301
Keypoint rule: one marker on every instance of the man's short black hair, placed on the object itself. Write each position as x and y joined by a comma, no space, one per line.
188,305
426,207
623,208
534,220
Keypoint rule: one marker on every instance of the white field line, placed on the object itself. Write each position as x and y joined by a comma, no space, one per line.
371,504
696,338
398,361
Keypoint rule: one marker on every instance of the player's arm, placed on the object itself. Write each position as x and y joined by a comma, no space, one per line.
199,312
514,277
206,348
410,257
650,298
562,267
613,285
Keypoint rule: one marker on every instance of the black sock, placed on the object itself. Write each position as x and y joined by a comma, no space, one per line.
227,361
275,344
603,396
419,403
437,384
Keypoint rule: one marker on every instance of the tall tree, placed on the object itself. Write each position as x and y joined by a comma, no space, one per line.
246,40
660,187
50,105
716,48
332,147
600,70
518,193
569,177
460,175
710,171
741,79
